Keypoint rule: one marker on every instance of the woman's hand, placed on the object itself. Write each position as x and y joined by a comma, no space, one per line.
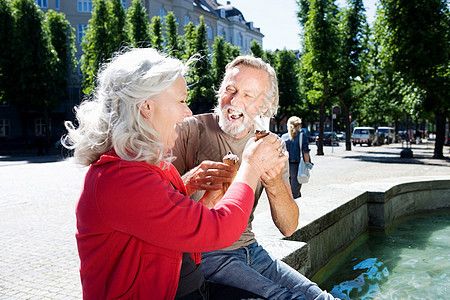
208,176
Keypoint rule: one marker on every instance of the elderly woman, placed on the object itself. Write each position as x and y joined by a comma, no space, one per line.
138,233
291,138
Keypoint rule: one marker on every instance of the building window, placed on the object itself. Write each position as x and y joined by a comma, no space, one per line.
223,34
57,4
240,40
209,32
39,126
82,28
187,20
41,3
222,13
4,127
84,5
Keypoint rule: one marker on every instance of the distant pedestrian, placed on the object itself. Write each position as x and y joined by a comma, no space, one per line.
291,139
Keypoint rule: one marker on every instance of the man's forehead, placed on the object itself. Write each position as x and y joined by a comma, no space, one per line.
252,81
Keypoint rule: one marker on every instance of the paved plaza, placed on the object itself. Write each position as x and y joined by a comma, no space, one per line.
38,254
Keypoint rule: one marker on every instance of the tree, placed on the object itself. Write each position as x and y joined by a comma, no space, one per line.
353,76
62,37
173,44
219,60
34,60
62,62
223,53
95,45
419,50
6,52
156,33
116,26
321,55
189,40
138,26
201,96
288,85
256,49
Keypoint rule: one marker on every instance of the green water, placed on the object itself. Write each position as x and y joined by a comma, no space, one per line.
410,260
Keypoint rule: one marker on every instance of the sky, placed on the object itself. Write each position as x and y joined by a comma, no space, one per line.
278,21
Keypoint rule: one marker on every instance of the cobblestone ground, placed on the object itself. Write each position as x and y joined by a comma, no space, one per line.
38,253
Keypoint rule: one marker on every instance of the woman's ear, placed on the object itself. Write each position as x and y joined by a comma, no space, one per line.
145,109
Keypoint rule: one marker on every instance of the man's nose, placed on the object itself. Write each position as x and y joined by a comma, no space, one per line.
237,101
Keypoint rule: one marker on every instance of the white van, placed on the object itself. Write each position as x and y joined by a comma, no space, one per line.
389,134
363,135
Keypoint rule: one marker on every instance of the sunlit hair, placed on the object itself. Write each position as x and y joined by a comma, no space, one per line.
112,118
292,123
271,99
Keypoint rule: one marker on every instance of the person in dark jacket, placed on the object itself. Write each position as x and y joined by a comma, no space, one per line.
139,234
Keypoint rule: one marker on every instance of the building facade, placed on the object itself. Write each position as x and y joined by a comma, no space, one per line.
221,20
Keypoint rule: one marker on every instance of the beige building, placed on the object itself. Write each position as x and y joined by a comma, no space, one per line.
221,20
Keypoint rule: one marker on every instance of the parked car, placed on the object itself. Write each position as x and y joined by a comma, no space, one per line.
341,135
387,134
363,135
329,139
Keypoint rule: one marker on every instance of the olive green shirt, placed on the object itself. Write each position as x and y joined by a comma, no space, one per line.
200,138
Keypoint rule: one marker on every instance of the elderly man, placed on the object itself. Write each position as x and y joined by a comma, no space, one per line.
249,90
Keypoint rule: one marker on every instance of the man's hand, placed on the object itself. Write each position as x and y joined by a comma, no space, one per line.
208,176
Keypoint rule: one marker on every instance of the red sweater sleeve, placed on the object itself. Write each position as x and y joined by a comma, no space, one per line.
137,200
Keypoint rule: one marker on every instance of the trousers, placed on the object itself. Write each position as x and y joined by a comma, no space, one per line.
253,269
295,186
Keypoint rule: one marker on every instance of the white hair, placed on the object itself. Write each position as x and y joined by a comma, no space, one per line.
112,118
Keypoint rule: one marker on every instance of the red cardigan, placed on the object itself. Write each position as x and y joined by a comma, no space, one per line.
133,226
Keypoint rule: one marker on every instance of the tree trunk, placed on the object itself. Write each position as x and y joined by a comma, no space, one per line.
321,125
440,134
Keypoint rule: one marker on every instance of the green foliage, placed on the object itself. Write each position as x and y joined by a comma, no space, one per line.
34,57
138,26
303,12
172,39
95,45
156,33
62,37
288,84
116,26
219,60
271,58
223,53
256,49
189,40
201,96
418,46
62,63
6,52
106,34
320,60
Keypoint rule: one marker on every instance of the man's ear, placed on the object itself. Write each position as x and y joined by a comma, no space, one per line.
145,109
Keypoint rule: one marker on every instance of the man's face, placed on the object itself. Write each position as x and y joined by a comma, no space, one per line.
242,99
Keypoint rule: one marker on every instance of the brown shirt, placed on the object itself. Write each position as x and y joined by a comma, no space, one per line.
200,138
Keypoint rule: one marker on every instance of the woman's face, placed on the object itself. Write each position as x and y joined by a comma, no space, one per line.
168,109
